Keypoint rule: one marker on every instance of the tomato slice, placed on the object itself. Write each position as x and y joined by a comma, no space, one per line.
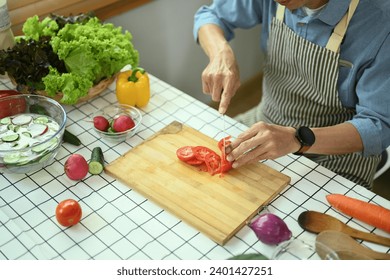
225,165
194,161
201,152
185,153
213,163
223,143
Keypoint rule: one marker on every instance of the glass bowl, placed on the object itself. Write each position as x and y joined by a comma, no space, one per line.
111,112
297,249
31,132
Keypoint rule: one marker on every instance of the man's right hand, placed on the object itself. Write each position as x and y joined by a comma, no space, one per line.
221,77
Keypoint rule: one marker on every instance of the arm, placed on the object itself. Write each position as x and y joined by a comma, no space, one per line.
221,78
269,141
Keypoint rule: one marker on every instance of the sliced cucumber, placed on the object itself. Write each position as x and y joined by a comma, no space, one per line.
10,137
12,158
44,146
6,120
41,120
26,134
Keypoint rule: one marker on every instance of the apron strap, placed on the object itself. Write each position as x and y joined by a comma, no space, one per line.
339,31
280,12
341,28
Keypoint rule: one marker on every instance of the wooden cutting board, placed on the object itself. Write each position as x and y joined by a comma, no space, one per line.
217,206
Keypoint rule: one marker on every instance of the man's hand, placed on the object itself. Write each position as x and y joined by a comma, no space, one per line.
221,77
262,141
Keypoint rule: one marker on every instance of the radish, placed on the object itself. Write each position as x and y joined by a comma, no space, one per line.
123,123
76,167
101,123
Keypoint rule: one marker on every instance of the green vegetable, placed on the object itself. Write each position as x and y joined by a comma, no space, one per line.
96,164
71,85
91,52
34,29
29,61
71,138
67,55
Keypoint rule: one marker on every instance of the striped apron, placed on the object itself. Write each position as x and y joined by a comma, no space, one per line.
300,88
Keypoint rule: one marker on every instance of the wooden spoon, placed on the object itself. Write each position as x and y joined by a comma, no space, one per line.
317,222
347,247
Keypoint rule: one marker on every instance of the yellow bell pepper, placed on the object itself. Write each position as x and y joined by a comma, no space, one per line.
133,87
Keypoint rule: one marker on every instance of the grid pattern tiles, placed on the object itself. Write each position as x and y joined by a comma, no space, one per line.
118,223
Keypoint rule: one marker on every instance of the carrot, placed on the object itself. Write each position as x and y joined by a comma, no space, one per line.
369,213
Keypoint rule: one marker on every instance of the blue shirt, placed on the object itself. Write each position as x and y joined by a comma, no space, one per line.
364,74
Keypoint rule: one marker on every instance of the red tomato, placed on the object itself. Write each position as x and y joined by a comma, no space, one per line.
201,152
194,161
225,165
185,153
213,163
223,143
68,212
11,107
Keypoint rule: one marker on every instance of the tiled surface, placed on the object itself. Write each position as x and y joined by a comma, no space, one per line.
118,223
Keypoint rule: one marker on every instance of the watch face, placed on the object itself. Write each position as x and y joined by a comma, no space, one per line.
306,135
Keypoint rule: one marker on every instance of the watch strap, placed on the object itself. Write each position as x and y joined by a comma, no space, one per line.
301,150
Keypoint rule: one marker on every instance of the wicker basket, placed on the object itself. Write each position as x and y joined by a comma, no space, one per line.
93,92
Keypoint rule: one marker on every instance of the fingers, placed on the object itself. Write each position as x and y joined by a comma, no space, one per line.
250,146
230,89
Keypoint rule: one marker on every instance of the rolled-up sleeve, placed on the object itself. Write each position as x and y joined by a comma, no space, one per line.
228,15
372,118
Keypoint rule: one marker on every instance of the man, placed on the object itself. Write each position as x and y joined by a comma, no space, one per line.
326,87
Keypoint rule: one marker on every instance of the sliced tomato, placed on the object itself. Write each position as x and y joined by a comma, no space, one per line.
194,161
224,142
185,153
201,152
225,165
213,163
203,167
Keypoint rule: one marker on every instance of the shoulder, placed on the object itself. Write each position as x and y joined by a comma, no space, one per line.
375,8
373,15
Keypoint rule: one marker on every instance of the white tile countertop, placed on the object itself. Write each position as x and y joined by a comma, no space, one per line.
119,223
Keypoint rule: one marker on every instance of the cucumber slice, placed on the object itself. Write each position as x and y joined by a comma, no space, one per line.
11,127
41,120
45,157
6,120
11,158
44,146
10,137
26,134
22,119
23,160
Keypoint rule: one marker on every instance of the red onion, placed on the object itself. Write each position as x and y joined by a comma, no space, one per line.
270,229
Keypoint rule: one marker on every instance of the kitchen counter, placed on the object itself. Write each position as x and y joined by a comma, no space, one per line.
119,223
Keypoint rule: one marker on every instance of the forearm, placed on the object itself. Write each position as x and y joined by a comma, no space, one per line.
212,40
339,139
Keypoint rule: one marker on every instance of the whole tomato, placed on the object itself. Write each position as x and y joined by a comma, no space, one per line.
68,212
10,107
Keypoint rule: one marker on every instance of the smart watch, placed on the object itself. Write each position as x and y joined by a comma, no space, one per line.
306,138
